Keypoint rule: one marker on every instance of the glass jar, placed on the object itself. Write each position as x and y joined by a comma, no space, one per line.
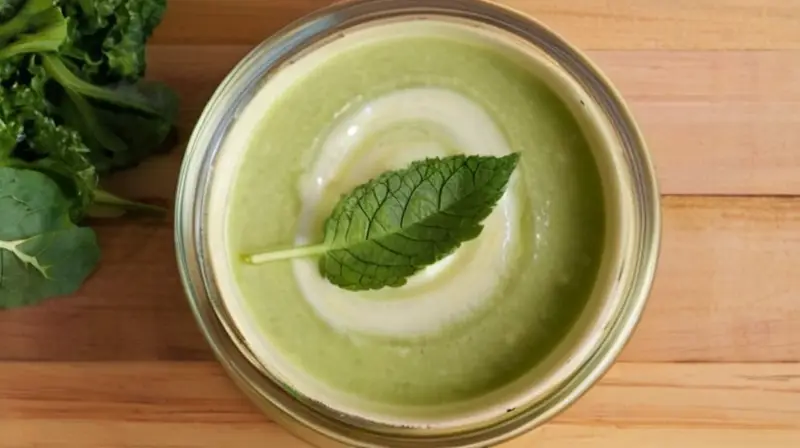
627,272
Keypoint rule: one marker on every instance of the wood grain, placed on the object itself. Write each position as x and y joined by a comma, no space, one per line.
589,24
143,404
133,434
714,363
705,304
718,123
133,308
592,436
727,284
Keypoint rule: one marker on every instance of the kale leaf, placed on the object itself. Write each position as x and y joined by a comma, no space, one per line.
33,139
107,37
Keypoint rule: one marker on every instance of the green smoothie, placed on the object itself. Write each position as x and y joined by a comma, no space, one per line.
475,322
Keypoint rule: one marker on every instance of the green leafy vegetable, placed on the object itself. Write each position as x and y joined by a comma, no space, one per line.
47,36
59,152
73,107
9,8
391,227
42,253
121,124
125,95
32,15
106,38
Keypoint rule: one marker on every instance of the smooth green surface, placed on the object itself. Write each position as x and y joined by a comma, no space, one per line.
557,260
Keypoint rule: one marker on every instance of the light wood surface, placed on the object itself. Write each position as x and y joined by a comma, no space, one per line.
715,362
192,404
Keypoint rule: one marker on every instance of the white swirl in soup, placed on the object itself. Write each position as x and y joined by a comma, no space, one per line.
386,134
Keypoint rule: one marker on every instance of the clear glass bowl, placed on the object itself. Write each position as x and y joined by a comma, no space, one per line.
629,275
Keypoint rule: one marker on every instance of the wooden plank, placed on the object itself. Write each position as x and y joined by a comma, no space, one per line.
589,24
592,436
89,434
155,392
703,76
77,433
723,148
705,306
194,405
716,122
726,288
132,308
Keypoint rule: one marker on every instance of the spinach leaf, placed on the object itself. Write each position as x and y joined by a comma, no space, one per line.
80,114
42,253
389,228
121,138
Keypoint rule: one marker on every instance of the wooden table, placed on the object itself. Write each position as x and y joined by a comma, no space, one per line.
715,363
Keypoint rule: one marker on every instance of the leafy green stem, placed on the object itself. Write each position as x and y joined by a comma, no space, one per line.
102,134
32,13
124,96
295,252
104,198
49,39
44,34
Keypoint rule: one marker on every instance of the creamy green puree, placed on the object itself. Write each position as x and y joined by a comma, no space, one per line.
375,100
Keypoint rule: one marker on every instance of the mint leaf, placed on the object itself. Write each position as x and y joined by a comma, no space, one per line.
391,227
42,253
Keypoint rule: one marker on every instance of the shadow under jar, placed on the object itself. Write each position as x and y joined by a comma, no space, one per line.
482,346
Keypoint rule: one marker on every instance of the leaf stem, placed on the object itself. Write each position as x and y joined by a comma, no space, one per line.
129,97
104,198
295,252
